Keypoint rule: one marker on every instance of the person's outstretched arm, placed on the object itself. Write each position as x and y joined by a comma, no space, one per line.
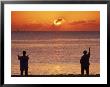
18,57
27,56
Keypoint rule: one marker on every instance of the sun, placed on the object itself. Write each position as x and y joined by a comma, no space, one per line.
58,22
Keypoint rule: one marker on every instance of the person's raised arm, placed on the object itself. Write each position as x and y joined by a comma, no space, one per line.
89,52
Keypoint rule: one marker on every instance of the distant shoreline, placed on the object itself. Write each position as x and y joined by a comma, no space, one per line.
59,75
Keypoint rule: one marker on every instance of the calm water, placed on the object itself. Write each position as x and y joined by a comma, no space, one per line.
55,52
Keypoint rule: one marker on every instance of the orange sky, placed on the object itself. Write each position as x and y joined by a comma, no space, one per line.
55,20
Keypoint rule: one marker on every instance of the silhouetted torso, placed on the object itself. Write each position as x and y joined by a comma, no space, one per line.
23,62
85,60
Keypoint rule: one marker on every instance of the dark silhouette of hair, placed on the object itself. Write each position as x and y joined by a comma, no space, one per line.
84,52
24,52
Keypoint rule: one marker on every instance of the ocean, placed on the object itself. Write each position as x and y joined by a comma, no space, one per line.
52,53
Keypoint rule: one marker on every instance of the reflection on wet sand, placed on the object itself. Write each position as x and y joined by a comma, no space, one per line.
53,69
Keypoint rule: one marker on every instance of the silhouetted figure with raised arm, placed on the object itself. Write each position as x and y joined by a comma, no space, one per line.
23,63
85,62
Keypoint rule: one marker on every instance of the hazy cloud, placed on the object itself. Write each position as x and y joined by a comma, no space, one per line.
82,22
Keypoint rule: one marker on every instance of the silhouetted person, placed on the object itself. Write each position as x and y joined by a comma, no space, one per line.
85,62
23,63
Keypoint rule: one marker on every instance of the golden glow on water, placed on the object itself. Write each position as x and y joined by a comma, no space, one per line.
53,69
56,69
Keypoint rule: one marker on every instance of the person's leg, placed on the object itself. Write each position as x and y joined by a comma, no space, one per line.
82,70
26,71
87,70
21,72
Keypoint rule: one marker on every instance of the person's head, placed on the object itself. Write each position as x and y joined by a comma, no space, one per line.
24,52
84,52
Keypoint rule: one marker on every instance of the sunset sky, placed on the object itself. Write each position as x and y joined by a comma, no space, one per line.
55,20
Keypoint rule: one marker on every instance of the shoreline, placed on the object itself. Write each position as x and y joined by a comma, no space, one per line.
59,75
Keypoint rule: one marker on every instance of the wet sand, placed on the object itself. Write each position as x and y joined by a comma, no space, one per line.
59,75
